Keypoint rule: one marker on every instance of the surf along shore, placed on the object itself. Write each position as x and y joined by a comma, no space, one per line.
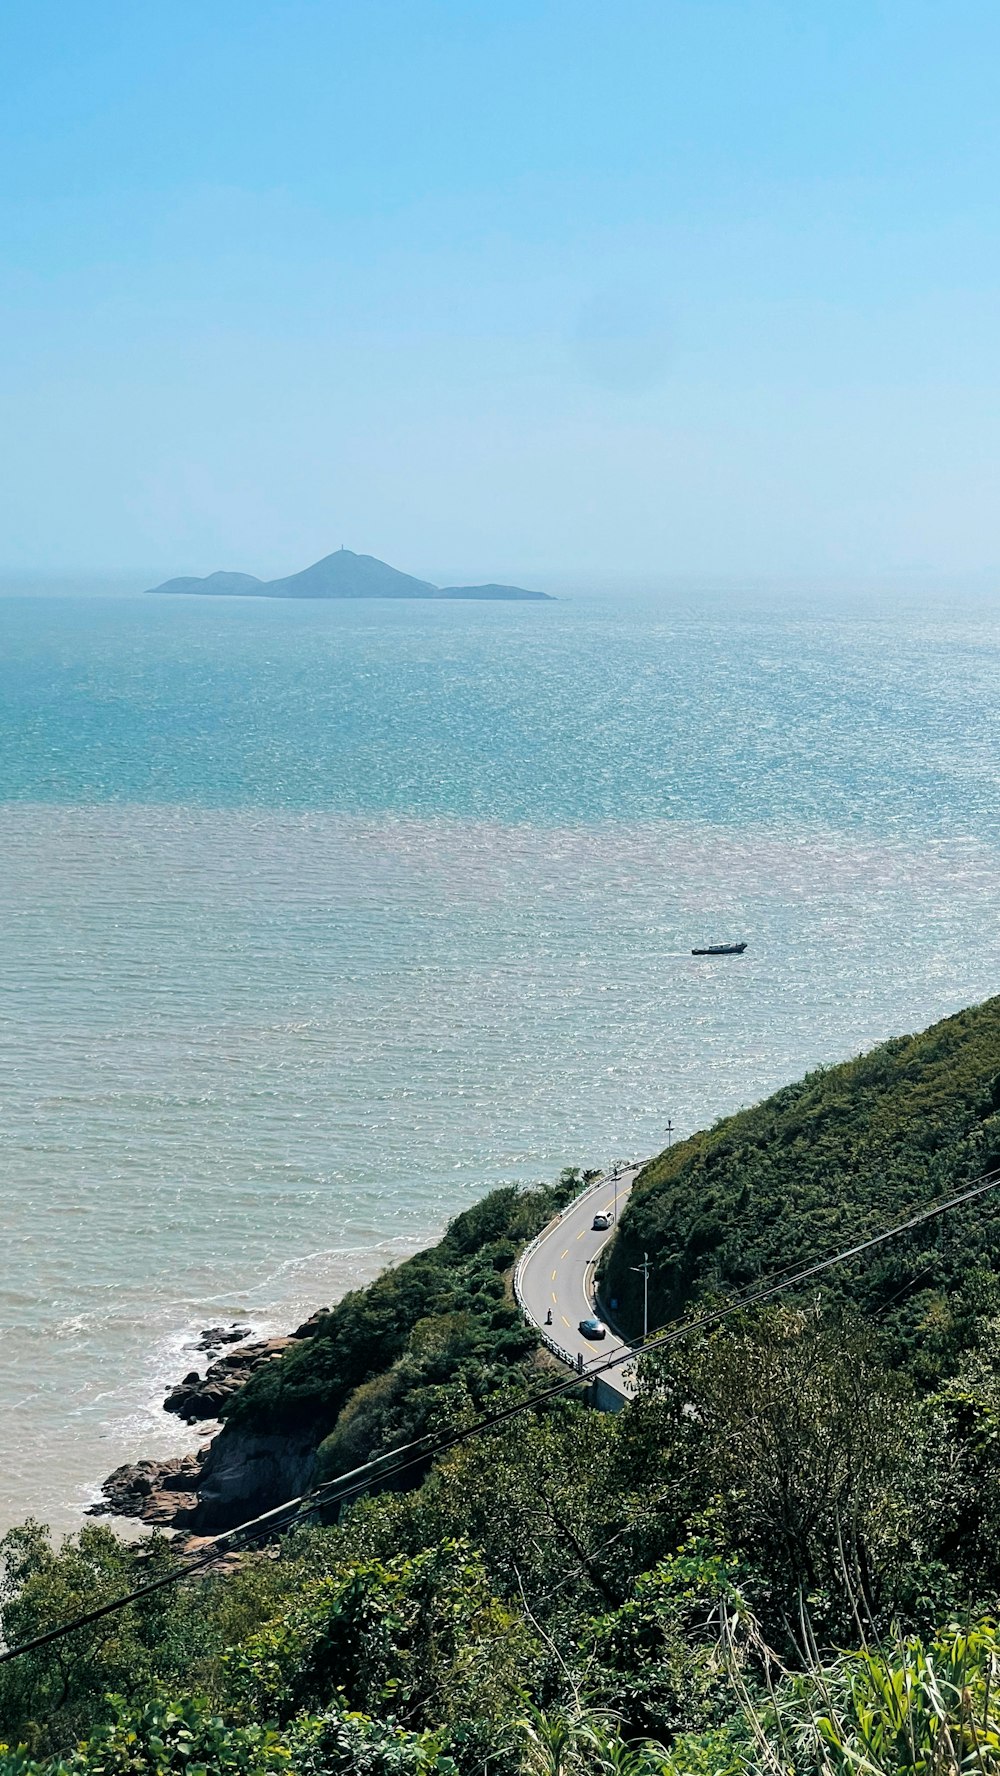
165,1494
432,1333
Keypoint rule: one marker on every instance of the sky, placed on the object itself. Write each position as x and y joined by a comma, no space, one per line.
501,288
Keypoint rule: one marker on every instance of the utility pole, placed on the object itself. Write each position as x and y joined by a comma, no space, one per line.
643,1271
669,1133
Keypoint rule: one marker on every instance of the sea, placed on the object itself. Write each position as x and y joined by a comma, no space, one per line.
320,920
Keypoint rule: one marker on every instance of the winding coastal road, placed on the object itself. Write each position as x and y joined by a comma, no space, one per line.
557,1274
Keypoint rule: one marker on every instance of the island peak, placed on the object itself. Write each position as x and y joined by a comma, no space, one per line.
341,575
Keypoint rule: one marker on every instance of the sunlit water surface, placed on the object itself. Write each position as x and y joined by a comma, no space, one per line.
318,921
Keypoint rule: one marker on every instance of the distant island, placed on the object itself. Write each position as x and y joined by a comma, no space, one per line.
342,575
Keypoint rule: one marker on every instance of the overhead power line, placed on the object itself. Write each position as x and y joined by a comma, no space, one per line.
393,1462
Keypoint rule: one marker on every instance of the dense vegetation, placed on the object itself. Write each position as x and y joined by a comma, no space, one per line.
435,1332
784,1556
823,1163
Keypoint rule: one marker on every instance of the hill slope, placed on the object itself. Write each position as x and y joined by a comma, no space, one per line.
346,575
341,575
847,1150
218,585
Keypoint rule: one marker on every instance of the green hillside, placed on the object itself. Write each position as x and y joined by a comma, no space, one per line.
782,1556
822,1163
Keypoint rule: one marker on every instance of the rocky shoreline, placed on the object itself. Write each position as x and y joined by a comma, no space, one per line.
168,1494
200,1397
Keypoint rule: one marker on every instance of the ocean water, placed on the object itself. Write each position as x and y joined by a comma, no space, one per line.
317,921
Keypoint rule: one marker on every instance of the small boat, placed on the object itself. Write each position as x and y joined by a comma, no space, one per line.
720,950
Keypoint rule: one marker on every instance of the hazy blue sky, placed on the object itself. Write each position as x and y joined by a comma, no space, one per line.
501,288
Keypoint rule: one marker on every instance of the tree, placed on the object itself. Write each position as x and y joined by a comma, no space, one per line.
799,1432
657,1658
53,1695
420,1639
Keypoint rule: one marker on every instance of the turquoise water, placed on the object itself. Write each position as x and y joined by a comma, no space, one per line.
318,920
575,712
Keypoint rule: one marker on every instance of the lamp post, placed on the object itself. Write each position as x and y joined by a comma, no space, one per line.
643,1271
616,1172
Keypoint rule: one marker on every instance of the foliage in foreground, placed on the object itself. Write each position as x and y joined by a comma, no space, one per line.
566,1591
913,1709
910,1709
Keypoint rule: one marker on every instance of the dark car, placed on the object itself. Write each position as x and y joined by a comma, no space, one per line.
593,1328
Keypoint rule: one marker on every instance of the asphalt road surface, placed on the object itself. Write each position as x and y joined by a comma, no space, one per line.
559,1275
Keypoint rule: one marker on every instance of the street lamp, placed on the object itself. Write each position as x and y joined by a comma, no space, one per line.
618,1166
643,1271
669,1133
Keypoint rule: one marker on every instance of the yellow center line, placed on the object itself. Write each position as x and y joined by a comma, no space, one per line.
554,1275
564,1254
554,1296
581,1233
564,1319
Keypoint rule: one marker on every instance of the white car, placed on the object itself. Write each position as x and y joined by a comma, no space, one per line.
601,1221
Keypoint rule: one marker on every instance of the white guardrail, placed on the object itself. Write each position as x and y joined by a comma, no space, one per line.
552,1344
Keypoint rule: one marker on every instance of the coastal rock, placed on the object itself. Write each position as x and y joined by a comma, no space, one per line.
191,1548
245,1474
167,1508
162,1493
214,1337
193,1401
203,1397
233,1477
311,1326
